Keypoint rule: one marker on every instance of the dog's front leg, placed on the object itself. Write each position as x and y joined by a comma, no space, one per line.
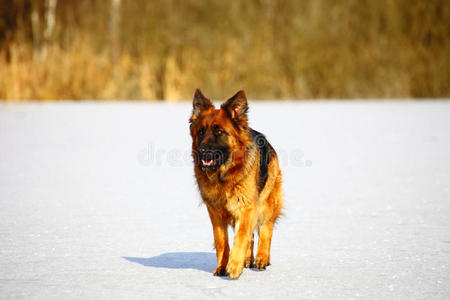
242,237
220,231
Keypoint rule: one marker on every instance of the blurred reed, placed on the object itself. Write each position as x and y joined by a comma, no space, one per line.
274,49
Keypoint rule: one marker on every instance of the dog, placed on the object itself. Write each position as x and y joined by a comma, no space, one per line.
239,180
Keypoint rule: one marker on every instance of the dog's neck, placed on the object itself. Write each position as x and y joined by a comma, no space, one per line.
222,174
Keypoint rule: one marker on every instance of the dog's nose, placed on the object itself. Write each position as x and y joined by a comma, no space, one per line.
202,149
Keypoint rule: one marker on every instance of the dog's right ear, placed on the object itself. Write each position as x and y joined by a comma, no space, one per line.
199,103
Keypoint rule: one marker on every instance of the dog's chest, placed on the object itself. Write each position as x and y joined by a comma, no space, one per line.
229,198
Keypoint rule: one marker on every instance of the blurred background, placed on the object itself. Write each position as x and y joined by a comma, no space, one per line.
274,49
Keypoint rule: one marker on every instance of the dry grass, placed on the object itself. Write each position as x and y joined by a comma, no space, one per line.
272,49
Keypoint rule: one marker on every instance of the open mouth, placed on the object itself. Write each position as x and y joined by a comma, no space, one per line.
208,162
212,159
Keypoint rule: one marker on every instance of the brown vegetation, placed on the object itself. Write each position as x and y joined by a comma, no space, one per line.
271,48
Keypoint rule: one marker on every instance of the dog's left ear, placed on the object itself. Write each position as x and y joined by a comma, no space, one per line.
237,107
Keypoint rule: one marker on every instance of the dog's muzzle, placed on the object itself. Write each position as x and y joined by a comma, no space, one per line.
211,158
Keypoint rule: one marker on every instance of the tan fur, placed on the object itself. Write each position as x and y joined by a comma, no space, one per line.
231,191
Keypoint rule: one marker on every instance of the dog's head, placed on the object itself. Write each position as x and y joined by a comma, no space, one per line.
218,135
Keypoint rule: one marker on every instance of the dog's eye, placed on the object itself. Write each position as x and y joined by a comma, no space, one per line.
201,131
219,131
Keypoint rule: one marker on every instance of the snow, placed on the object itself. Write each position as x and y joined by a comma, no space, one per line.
98,200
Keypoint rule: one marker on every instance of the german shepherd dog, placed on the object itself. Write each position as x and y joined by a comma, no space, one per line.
239,180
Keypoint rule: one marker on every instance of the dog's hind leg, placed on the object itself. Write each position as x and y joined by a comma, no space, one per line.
249,259
270,213
265,238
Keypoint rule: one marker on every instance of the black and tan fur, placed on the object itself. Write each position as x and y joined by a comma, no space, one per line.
239,180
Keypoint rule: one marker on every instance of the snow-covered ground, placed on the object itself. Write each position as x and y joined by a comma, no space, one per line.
98,200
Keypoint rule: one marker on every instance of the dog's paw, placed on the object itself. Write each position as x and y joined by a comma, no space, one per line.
262,262
249,263
220,271
234,270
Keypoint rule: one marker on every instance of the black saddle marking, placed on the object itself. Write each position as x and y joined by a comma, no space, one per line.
265,152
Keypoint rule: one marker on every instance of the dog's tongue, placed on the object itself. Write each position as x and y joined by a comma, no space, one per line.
207,162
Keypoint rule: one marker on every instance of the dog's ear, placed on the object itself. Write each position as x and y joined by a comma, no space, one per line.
237,107
199,103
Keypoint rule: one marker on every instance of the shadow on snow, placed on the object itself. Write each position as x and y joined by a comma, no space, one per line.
203,261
